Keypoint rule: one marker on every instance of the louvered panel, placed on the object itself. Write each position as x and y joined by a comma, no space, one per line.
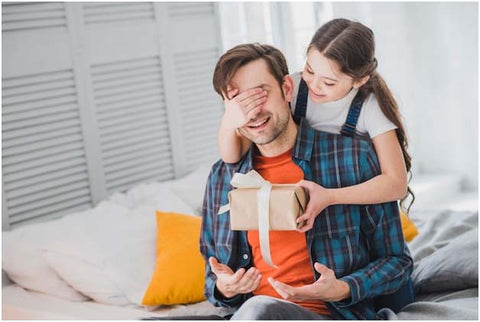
51,216
132,119
37,151
12,142
189,9
41,141
59,208
155,173
196,79
154,150
24,174
39,121
39,129
114,70
47,178
132,150
162,131
31,189
142,80
142,67
33,105
201,109
119,169
196,141
114,130
39,113
23,149
43,157
132,137
122,97
139,100
50,193
95,13
130,141
25,15
130,109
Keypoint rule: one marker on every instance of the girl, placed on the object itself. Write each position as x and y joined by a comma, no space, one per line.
340,69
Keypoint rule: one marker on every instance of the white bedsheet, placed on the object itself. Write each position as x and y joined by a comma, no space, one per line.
19,304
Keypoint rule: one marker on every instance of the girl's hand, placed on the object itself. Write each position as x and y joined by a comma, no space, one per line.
241,108
319,200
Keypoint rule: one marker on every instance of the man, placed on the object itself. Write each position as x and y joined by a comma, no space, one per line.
352,254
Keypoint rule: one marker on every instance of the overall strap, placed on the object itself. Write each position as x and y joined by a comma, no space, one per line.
348,128
301,105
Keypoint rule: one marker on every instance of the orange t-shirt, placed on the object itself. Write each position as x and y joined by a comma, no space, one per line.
288,248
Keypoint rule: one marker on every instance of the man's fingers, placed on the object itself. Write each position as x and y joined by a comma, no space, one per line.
322,269
214,265
235,278
279,288
249,279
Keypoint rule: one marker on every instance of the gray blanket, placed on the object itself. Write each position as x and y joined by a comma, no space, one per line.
445,273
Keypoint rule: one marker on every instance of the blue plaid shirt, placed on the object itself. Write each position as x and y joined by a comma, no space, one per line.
363,244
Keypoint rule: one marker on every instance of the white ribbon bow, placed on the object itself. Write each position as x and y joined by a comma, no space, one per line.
254,180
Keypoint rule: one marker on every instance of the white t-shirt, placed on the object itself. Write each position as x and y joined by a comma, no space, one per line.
329,117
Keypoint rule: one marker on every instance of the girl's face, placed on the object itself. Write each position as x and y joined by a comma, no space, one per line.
325,81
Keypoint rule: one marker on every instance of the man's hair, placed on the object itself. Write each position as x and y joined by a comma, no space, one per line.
239,56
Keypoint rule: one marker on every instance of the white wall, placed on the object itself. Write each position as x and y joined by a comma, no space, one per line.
428,54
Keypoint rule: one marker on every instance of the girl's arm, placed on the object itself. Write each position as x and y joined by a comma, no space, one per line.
390,185
238,111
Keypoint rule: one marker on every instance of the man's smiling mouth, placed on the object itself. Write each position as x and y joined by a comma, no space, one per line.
259,123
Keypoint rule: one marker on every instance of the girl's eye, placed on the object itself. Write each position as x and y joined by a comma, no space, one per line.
328,84
309,71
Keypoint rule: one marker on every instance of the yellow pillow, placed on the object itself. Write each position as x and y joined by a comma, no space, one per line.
179,270
409,229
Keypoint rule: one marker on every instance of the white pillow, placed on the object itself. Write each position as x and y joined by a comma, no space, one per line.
191,188
24,264
116,244
86,278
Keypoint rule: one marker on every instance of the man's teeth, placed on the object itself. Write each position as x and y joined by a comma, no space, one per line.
259,123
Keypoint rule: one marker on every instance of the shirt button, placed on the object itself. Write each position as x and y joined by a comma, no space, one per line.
245,256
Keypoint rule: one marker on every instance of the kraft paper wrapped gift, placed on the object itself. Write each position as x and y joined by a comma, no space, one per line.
287,203
257,204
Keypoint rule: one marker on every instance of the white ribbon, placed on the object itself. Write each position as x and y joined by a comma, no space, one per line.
254,180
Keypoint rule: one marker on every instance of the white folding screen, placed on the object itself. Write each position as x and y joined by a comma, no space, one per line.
98,97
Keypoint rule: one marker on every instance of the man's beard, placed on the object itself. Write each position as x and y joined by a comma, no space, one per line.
278,128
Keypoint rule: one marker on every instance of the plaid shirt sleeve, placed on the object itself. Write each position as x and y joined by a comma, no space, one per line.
215,187
391,264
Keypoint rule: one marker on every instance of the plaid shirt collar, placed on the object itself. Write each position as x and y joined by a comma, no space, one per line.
302,149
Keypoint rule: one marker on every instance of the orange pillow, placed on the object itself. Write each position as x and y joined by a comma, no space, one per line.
409,229
179,274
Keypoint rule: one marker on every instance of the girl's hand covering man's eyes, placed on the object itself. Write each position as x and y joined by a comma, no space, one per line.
243,107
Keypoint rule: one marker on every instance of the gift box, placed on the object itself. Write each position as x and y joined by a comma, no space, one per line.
287,203
257,204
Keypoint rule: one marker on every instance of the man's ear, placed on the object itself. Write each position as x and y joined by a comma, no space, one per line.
287,87
361,82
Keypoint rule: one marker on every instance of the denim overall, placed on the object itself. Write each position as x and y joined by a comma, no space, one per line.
405,294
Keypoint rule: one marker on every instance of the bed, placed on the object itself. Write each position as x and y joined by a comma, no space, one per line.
98,264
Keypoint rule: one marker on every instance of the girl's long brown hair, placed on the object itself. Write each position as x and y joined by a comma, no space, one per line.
352,45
